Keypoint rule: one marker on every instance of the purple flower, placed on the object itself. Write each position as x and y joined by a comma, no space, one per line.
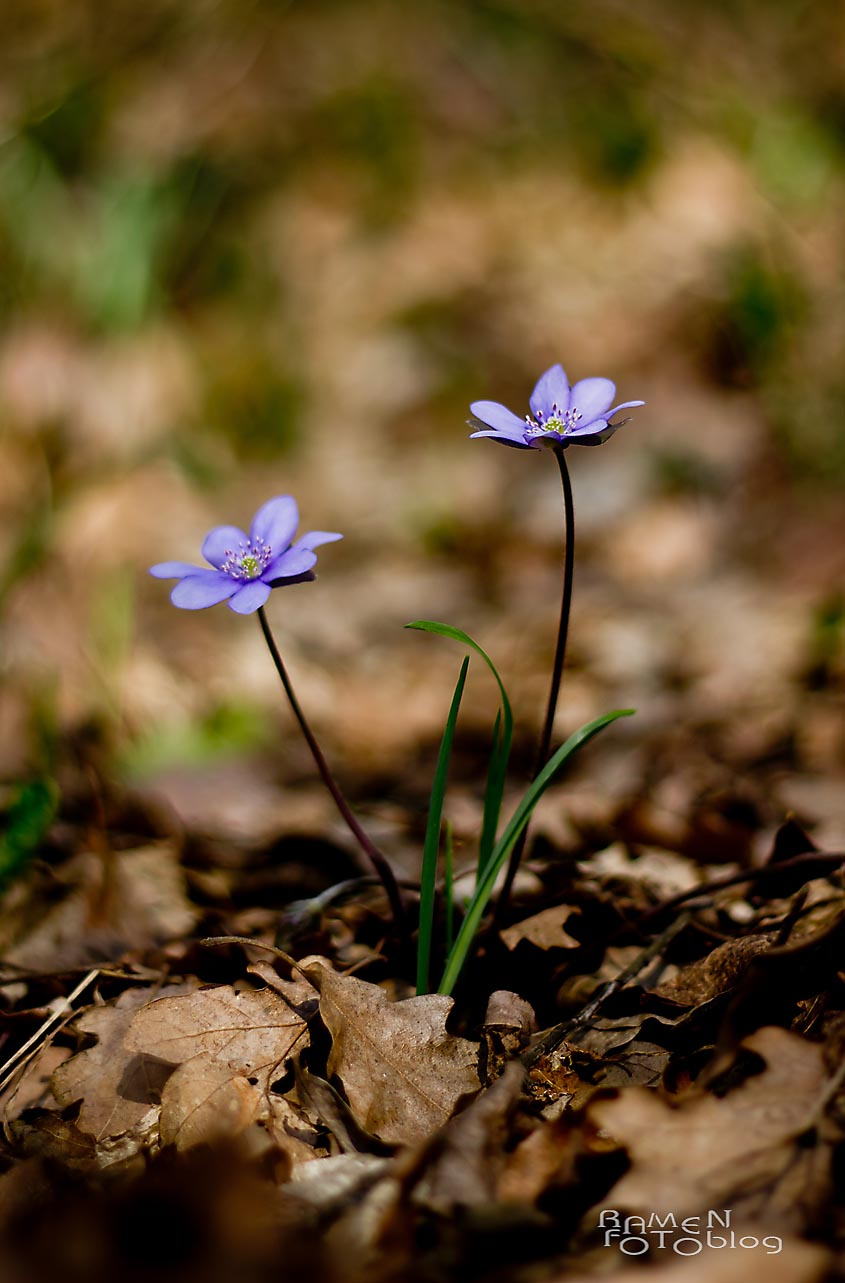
560,415
246,567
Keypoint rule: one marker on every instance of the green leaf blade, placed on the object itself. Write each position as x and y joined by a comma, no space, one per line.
431,848
509,838
493,794
502,740
457,634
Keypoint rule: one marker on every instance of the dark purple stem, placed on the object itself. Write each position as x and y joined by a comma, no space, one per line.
545,740
374,855
565,606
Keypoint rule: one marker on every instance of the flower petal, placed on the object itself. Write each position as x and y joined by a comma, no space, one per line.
505,440
203,588
313,539
293,562
591,429
275,522
250,597
592,398
626,405
174,570
552,389
219,541
499,417
599,431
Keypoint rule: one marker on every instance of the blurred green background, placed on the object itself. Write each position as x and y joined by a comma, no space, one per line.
250,248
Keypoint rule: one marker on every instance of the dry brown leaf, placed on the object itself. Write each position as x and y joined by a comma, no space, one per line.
663,873
251,1029
510,1018
114,901
225,1045
721,970
204,1100
403,1074
547,1156
323,1102
472,1152
508,1025
354,1196
31,1088
340,1181
737,1151
639,1063
45,1134
797,1263
546,929
292,1134
117,1089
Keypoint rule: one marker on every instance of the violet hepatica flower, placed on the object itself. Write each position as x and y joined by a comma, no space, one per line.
244,568
560,415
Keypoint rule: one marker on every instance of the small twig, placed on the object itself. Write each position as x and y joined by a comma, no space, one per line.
560,1033
828,1094
23,975
809,858
210,942
11,1066
792,915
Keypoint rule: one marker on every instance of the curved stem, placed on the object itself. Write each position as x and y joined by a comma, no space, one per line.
565,605
374,855
545,739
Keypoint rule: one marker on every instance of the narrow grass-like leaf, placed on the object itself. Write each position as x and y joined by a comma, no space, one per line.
457,634
449,884
502,741
428,879
494,791
508,840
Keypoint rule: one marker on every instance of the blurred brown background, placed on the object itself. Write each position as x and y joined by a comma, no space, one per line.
257,248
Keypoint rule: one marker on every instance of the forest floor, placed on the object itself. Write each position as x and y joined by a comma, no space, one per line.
655,1032
249,250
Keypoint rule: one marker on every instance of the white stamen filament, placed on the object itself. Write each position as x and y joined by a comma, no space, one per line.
248,561
559,421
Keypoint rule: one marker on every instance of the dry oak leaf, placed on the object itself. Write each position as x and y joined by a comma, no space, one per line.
462,1165
403,1074
742,1151
547,1158
546,929
117,1089
224,1046
720,971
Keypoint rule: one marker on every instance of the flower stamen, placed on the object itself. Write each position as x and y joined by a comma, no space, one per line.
248,561
559,422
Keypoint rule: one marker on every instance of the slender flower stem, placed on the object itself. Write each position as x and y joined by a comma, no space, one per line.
374,855
565,605
544,743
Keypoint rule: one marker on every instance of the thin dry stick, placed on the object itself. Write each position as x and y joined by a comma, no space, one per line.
827,1095
567,1028
808,860
23,1054
211,942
